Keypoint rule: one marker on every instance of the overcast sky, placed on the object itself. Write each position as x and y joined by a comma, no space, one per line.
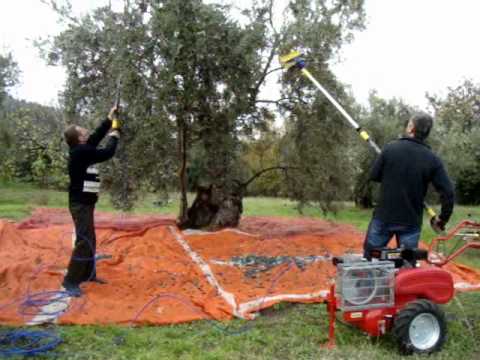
409,47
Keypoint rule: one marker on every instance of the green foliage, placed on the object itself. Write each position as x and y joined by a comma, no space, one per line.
191,79
184,66
32,144
8,75
316,146
458,128
264,152
317,137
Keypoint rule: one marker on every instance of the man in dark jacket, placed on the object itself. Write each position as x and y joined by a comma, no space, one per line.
83,195
405,168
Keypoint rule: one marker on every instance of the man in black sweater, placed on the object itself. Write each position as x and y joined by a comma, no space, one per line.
405,168
83,195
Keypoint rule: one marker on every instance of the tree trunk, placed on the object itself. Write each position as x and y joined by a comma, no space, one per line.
220,206
364,196
230,207
215,207
182,174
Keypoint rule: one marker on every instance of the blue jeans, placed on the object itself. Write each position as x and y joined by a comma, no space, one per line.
380,233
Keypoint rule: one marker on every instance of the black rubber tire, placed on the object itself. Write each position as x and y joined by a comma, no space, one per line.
402,322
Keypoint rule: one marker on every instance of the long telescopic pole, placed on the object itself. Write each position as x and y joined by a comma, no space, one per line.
294,60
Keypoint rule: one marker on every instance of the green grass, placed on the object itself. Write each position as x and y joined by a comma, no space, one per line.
284,332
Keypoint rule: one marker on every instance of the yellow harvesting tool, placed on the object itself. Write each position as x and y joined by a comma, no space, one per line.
294,60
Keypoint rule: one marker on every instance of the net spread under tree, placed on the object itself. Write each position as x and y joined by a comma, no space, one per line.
192,75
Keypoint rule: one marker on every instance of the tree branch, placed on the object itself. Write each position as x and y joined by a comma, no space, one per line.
266,71
277,102
273,70
263,171
63,11
270,14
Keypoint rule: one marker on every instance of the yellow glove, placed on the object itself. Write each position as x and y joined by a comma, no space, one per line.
113,115
115,124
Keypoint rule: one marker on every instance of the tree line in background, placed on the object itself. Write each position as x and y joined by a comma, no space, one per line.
190,76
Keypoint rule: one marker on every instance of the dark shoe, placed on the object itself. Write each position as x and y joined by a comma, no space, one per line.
98,280
73,290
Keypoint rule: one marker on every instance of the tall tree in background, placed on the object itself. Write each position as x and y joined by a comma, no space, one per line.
8,77
191,78
318,137
31,146
458,128
8,74
260,157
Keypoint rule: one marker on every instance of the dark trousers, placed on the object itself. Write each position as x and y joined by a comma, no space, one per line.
379,234
82,262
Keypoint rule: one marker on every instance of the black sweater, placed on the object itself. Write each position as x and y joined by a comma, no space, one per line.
405,168
84,180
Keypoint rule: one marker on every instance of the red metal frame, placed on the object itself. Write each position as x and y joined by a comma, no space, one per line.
332,310
439,260
433,284
429,283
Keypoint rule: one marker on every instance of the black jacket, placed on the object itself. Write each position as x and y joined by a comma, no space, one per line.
405,168
84,180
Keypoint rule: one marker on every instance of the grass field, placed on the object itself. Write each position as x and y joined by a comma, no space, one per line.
283,332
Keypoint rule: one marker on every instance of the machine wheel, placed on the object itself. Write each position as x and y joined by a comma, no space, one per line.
420,328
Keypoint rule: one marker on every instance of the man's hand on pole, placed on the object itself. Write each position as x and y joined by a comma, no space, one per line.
437,224
113,116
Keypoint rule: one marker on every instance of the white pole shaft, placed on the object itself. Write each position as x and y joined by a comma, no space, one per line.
332,100
352,122
339,108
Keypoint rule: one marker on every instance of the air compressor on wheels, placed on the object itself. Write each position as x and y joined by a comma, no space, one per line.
391,294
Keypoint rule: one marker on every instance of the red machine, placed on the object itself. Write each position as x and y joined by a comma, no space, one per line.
391,294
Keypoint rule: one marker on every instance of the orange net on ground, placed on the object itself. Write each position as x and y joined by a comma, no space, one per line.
158,274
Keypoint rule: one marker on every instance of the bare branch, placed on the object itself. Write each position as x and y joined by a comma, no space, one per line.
277,102
62,11
273,51
273,70
263,171
270,14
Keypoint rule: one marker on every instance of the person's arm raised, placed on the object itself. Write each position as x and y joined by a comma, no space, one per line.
100,132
